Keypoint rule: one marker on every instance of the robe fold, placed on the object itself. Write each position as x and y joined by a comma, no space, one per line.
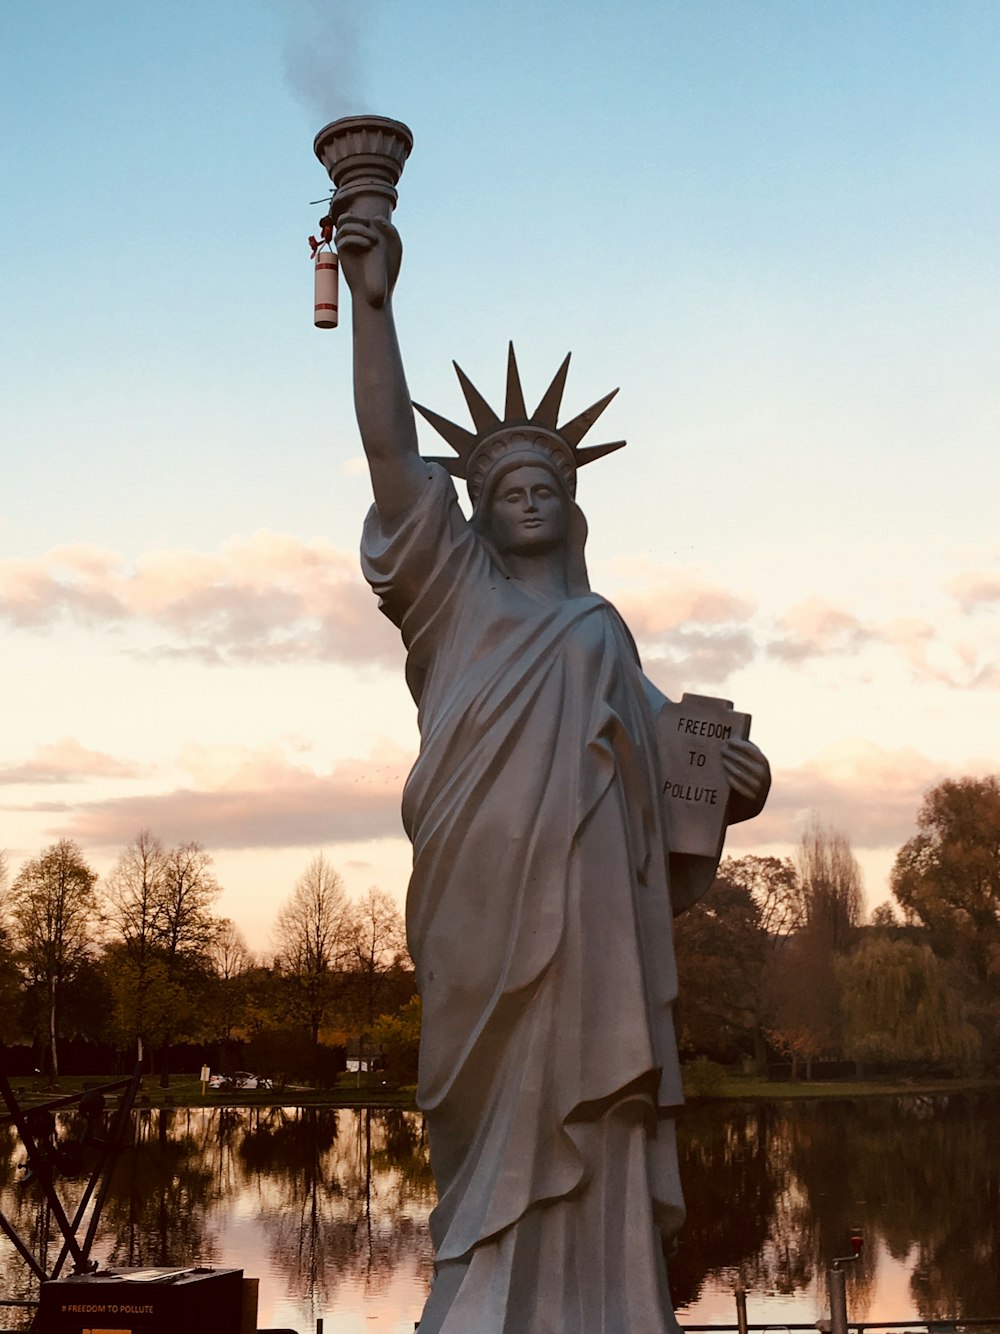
540,926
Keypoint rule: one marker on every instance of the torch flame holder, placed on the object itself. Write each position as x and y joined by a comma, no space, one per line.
364,156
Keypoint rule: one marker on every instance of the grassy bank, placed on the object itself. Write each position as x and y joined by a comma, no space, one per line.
186,1091
753,1088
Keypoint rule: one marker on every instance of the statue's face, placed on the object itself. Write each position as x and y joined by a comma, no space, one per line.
529,512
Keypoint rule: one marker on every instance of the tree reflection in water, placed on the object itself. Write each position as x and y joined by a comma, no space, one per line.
774,1191
339,1200
162,1194
344,1192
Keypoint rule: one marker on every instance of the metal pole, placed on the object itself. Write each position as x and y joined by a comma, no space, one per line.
741,1308
837,1285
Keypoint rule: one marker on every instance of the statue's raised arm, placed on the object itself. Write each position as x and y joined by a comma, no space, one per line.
370,251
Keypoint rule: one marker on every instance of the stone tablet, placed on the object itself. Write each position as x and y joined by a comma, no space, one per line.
695,787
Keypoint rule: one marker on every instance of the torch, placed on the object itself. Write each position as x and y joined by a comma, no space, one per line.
364,156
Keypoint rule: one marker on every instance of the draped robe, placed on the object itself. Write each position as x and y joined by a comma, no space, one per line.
539,923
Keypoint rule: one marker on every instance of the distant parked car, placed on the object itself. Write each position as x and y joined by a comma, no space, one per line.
243,1079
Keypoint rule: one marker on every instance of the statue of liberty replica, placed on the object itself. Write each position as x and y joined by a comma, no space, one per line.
539,912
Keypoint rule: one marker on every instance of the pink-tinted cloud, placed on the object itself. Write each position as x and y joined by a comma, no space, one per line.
690,633
815,627
270,597
871,793
240,798
676,600
976,590
818,629
67,761
697,659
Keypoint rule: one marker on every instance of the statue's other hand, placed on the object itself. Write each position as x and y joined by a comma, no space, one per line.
370,252
749,776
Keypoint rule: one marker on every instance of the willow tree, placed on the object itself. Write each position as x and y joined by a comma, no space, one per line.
898,1005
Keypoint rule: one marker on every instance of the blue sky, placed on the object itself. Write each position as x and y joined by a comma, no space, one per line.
774,225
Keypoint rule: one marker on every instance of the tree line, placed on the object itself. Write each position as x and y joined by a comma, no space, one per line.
141,961
777,962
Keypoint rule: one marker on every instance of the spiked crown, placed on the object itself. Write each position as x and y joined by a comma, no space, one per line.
495,441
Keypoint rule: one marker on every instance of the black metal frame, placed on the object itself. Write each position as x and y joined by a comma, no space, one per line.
41,1167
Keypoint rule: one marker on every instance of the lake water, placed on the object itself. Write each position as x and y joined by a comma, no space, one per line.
329,1208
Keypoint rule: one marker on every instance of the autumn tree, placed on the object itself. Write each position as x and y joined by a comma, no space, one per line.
312,936
777,892
53,913
947,876
727,946
947,879
899,1005
397,1035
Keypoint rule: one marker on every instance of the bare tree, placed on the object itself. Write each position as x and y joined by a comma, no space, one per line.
230,955
232,963
189,890
377,949
54,914
158,902
312,935
133,894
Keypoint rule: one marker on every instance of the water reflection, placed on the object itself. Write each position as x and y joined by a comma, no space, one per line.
329,1208
774,1191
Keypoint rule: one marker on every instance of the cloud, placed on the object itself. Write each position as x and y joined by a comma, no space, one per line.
815,627
687,630
675,600
275,598
819,629
975,590
66,761
270,597
873,794
245,798
35,593
693,659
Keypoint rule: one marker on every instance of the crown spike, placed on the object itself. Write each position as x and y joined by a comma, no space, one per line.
514,409
574,431
588,453
482,414
548,410
458,437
